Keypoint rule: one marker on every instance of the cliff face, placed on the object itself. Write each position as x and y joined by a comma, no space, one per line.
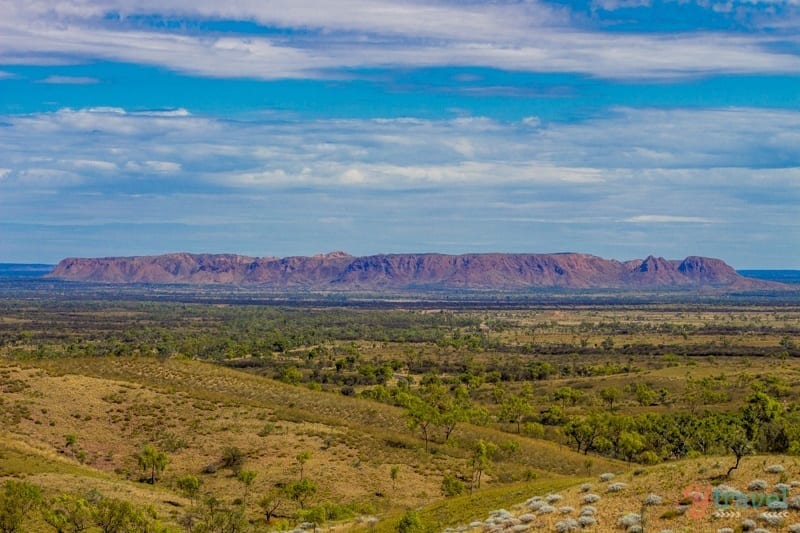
340,271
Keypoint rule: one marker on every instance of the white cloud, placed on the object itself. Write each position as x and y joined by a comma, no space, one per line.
527,36
667,219
70,80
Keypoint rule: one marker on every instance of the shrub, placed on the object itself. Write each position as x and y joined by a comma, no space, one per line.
570,524
451,486
553,498
782,488
757,484
527,518
794,528
617,487
653,499
590,498
629,519
775,469
547,509
749,525
725,530
608,476
588,510
536,505
586,487
566,509
794,502
586,520
410,523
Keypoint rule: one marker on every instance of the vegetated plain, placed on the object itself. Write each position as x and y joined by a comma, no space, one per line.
225,417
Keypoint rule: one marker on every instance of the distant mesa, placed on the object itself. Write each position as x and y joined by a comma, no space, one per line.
340,271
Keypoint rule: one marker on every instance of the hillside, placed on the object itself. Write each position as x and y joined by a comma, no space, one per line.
342,272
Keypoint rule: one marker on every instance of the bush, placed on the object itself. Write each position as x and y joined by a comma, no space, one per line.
564,526
590,498
653,499
451,486
547,509
775,469
586,520
410,523
553,498
630,519
608,476
617,487
749,525
586,487
588,510
566,509
758,484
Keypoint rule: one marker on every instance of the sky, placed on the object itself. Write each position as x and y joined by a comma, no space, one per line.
620,128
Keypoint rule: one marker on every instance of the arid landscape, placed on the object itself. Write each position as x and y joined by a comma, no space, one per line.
136,415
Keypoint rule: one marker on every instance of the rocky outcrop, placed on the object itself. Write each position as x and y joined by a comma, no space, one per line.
340,271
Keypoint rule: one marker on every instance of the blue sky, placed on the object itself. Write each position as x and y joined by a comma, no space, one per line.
620,128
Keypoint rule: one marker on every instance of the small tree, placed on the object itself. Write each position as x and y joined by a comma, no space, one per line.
301,491
190,486
738,443
71,443
271,502
152,460
302,458
610,395
482,455
394,473
247,477
17,500
68,514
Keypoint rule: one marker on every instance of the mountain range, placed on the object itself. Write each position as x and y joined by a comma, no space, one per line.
341,271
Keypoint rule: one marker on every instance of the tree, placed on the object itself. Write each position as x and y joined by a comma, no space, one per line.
630,444
302,458
760,409
271,502
420,415
118,516
301,491
567,395
584,432
611,395
68,514
246,477
482,454
394,473
516,408
17,500
152,460
71,443
737,441
190,486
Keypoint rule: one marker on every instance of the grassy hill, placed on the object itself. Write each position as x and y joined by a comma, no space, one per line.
194,411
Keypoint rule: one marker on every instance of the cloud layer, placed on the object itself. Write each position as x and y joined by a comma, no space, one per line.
315,38
645,179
